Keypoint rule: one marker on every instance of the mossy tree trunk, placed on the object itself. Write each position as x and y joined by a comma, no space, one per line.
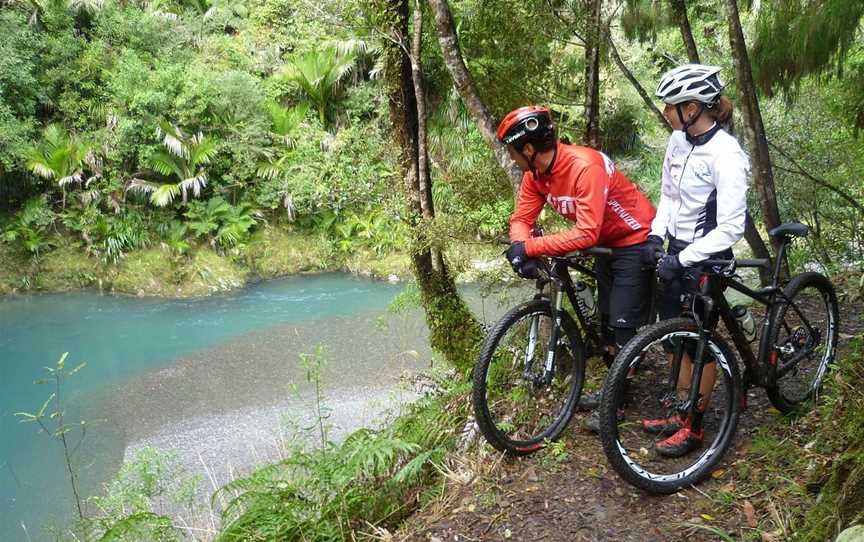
454,332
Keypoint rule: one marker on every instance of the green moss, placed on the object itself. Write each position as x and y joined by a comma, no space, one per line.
146,272
274,252
453,330
15,269
841,500
367,262
68,268
206,272
155,272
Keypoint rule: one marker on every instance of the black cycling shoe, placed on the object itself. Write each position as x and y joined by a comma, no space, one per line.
589,400
592,422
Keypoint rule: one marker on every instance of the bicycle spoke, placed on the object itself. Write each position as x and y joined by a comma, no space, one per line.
804,340
648,418
520,407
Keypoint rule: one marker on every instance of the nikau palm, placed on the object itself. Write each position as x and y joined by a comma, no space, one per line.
183,158
319,74
61,158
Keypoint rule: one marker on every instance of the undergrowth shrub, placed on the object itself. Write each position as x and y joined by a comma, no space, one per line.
372,477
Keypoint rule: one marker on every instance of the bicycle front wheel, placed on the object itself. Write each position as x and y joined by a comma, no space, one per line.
515,409
803,340
642,404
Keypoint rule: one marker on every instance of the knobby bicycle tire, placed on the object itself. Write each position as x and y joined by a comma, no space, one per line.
640,467
569,347
782,317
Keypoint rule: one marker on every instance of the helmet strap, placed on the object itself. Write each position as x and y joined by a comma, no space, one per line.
685,125
531,161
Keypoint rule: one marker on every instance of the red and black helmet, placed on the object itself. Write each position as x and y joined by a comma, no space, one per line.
525,125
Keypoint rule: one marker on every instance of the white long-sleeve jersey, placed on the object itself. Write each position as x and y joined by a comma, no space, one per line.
703,197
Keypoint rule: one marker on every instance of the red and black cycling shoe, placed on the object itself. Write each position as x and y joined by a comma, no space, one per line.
663,426
681,443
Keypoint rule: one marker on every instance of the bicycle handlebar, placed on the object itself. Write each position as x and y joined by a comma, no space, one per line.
744,262
593,251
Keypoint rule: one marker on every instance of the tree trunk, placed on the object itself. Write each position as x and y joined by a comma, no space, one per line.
679,15
592,75
464,83
754,130
649,103
454,332
757,247
424,184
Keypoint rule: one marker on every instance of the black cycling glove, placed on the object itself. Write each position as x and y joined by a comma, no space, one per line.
669,268
522,265
650,249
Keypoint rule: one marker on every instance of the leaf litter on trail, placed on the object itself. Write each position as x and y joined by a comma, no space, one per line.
749,514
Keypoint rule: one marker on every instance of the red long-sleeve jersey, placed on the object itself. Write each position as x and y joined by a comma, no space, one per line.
584,187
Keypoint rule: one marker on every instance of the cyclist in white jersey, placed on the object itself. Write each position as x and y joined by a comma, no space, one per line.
702,209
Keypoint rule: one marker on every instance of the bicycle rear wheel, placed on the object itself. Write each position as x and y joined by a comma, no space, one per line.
515,411
803,340
641,386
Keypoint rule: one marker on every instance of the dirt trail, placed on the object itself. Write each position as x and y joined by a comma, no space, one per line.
570,494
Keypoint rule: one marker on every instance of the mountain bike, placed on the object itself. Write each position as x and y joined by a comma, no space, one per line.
529,376
797,343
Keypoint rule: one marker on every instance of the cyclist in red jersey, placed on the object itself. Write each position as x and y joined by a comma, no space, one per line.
607,210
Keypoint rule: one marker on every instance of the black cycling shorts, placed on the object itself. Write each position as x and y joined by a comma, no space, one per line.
672,295
623,287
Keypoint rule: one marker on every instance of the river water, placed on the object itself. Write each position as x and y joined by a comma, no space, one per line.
214,379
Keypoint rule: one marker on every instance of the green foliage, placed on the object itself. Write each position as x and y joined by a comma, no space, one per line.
183,158
318,75
329,492
19,89
142,527
641,19
217,220
29,228
507,55
126,509
109,236
817,38
816,35
59,157
619,127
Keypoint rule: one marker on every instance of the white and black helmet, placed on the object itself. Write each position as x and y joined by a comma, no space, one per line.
691,82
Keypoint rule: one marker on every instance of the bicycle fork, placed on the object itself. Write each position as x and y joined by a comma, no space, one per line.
688,406
545,379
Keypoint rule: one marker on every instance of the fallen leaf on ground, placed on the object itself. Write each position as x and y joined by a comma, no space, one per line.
750,514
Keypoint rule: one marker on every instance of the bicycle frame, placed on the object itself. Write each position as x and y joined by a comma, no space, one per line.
761,369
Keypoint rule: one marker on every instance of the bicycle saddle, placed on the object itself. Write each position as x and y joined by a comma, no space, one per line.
793,229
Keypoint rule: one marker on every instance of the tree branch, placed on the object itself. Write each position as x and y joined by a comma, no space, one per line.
804,173
635,82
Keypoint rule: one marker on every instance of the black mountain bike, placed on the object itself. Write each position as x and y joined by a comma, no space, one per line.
529,377
648,380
